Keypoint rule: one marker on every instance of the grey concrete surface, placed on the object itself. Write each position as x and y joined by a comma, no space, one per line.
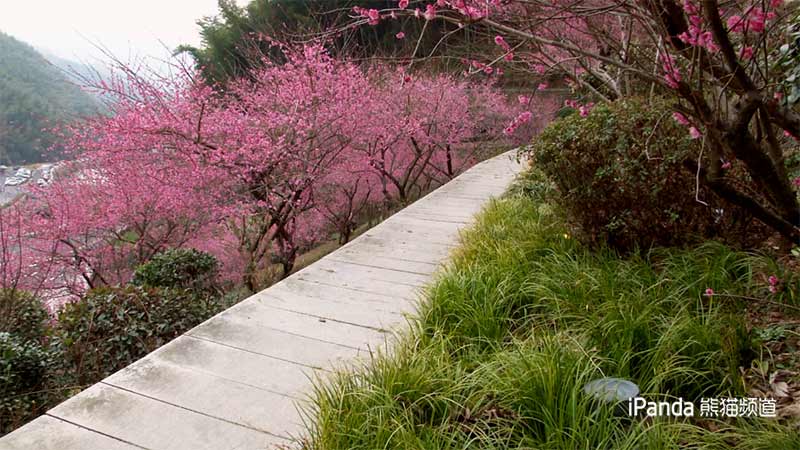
239,380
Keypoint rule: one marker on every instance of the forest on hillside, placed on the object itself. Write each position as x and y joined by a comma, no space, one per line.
234,41
35,96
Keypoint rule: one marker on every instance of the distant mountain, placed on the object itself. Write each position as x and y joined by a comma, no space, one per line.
35,95
77,72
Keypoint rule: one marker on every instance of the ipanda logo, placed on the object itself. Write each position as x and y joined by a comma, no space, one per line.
678,408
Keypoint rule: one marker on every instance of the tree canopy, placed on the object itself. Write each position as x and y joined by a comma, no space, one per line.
234,41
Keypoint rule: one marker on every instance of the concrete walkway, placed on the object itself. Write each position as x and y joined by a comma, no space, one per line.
235,381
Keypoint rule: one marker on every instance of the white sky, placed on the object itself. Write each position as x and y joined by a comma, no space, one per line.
67,28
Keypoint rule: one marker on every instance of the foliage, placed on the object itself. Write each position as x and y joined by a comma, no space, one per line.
523,317
786,62
34,96
621,179
23,315
235,40
110,328
24,365
178,268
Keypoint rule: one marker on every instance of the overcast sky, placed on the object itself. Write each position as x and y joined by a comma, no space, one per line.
126,27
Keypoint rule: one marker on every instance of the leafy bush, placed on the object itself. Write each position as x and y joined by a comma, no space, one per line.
112,327
565,112
25,363
180,268
22,315
622,179
22,363
23,370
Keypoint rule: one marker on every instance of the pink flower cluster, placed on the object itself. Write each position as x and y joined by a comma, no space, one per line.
430,12
694,133
754,20
469,9
681,119
672,76
522,118
696,36
373,16
485,68
583,109
504,45
773,282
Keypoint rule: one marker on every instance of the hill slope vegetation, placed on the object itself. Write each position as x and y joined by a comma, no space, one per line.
34,95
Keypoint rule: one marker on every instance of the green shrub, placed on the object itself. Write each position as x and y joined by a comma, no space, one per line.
22,363
112,327
22,315
565,112
622,179
179,268
24,366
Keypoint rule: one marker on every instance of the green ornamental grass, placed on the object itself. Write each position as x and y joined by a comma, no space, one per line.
524,316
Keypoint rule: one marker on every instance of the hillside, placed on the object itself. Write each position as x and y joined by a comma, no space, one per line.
77,71
34,95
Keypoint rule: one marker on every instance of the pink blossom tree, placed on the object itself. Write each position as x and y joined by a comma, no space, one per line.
727,67
19,270
344,196
292,124
424,130
254,173
112,214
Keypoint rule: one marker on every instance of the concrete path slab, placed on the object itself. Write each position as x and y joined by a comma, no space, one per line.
237,380
369,315
49,433
156,424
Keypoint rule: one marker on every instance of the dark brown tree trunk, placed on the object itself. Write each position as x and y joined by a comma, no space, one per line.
288,264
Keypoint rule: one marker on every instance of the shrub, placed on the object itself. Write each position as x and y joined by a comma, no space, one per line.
565,112
22,315
112,327
621,179
23,364
23,370
180,268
